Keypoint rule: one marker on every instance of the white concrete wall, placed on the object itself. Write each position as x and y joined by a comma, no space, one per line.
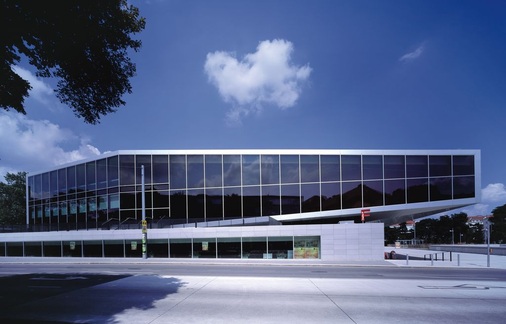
339,242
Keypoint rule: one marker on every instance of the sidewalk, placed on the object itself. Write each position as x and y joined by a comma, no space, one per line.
464,260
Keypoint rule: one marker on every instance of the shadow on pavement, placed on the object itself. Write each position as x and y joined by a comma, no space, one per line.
79,298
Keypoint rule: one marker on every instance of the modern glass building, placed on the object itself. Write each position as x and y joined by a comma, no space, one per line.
240,203
287,186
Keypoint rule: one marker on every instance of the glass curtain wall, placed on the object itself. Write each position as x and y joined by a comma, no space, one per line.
106,193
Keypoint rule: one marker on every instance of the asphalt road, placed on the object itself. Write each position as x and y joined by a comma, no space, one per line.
263,271
196,293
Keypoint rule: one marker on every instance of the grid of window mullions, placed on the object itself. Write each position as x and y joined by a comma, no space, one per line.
36,179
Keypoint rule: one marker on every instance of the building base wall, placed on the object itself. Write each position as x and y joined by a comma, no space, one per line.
328,242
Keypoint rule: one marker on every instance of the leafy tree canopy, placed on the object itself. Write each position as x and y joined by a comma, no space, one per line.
13,199
83,44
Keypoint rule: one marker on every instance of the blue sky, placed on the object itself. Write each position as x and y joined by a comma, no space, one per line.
293,74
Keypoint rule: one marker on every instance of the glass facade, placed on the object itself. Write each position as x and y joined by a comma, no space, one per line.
192,188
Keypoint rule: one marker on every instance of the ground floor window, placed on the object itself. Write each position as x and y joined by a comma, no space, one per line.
271,247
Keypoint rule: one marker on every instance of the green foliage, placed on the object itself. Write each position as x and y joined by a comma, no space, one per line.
445,230
13,199
498,228
84,44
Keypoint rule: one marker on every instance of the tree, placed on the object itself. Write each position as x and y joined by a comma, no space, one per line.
13,199
83,44
498,228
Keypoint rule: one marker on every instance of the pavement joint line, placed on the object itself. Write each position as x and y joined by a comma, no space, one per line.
332,301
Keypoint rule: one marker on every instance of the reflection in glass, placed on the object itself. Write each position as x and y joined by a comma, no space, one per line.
160,169
214,204
270,169
229,247
270,200
204,248
310,194
331,168
395,192
440,188
80,176
373,193
102,174
112,171
352,194
196,205
127,170
416,166
195,171
213,171
250,170
309,168
91,182
289,169
141,160
418,190
290,199
232,170
280,247
372,167
331,196
178,204
394,166
440,165
463,165
232,201
251,201
180,248
177,172
463,187
351,167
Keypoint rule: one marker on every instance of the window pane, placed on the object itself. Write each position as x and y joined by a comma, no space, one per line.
395,192
351,167
418,190
463,187
177,172
101,174
290,199
214,204
254,247
416,166
373,167
310,194
331,196
141,160
309,168
352,194
80,177
91,183
195,171
178,204
270,169
160,198
463,165
289,169
53,183
213,171
270,200
331,167
373,193
232,201
232,170
440,166
394,166
71,181
196,205
112,171
160,169
62,181
440,189
250,170
251,201
127,170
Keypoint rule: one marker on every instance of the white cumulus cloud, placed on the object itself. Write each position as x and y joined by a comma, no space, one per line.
412,55
40,91
33,145
494,193
266,76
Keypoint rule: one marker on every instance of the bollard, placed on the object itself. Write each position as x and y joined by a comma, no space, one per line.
407,259
458,260
450,256
431,260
